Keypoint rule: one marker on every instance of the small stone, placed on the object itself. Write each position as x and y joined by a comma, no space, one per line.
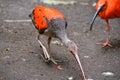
59,67
7,49
108,73
23,59
94,4
70,78
86,56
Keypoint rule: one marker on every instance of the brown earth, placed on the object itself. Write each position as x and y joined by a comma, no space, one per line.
19,49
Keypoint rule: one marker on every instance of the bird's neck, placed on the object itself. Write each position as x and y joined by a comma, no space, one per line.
65,40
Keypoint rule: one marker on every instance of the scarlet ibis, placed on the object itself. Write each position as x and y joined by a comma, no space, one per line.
52,23
107,9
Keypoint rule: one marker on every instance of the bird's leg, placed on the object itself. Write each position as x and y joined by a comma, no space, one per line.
107,43
46,56
49,51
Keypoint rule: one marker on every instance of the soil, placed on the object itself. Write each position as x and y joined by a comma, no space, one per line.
20,52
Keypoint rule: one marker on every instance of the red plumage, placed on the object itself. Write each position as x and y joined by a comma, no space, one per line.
107,9
41,13
110,10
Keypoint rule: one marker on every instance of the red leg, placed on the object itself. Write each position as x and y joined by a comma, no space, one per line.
46,56
107,43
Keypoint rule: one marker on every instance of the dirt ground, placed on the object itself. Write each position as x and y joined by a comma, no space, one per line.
20,52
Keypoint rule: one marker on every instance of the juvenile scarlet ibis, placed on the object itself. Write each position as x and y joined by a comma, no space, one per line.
52,23
107,9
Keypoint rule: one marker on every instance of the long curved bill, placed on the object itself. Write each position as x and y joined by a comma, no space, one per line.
80,65
95,15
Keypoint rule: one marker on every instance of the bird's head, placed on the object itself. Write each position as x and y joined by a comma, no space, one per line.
69,44
72,47
100,7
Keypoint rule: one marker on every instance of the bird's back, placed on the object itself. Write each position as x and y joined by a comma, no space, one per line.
42,13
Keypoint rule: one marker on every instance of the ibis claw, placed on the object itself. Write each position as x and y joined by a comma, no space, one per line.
107,43
48,60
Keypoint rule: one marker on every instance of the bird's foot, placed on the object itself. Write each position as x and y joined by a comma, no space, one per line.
48,60
107,43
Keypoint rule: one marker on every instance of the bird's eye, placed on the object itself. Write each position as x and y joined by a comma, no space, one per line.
103,7
71,52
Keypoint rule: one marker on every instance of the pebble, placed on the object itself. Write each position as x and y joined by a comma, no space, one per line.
86,56
23,59
94,4
7,49
59,67
108,73
70,78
